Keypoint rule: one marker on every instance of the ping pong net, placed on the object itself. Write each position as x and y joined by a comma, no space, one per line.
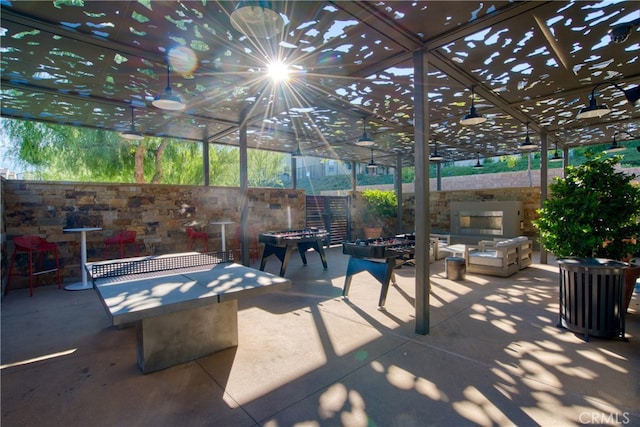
108,271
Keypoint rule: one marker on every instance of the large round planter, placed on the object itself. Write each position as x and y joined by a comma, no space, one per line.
592,297
631,274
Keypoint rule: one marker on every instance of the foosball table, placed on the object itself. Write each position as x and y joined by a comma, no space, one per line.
379,257
283,243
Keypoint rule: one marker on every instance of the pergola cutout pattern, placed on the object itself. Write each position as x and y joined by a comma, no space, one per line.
85,64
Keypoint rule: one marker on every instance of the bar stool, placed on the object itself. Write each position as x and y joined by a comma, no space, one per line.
31,245
254,245
194,235
125,237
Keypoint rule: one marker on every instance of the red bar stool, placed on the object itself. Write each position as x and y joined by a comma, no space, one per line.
125,237
254,245
194,235
31,245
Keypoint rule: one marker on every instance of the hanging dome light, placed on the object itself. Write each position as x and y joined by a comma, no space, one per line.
372,166
593,110
527,144
364,140
435,157
598,110
257,19
297,153
556,157
167,100
478,165
132,134
473,118
615,147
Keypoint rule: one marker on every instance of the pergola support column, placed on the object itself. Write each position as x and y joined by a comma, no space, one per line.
422,223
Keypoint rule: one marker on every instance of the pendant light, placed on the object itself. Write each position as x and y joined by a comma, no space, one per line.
132,134
473,118
257,19
621,32
527,144
615,148
478,165
435,157
556,157
594,110
167,100
364,140
297,154
372,165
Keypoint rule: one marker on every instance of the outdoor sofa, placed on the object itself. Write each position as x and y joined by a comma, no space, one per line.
499,257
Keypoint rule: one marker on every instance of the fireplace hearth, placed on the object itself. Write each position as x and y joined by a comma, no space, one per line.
481,222
487,219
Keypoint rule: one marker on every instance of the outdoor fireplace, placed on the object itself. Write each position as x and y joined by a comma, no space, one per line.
487,219
481,222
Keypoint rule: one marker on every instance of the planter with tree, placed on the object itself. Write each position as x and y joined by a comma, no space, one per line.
590,223
380,207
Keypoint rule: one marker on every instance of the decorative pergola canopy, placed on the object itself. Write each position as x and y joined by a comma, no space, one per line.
87,63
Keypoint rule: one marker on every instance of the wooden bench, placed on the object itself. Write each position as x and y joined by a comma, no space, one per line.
184,305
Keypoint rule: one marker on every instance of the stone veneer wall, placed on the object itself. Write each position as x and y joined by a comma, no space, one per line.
440,208
157,212
440,205
509,186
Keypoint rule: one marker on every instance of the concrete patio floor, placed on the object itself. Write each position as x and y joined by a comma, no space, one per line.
308,357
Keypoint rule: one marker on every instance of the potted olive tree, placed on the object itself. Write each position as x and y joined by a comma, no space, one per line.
590,222
380,206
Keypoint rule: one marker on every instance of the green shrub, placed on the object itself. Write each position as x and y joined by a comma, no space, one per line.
594,211
381,204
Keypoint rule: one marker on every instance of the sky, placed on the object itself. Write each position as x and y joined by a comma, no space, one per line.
6,162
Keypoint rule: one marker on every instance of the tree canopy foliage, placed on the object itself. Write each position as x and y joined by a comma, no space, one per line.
67,153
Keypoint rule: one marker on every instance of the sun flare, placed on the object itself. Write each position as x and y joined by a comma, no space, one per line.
278,71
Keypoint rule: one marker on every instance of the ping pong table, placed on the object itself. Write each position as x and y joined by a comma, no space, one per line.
184,306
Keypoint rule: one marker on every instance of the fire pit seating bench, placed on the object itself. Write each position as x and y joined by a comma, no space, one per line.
499,257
